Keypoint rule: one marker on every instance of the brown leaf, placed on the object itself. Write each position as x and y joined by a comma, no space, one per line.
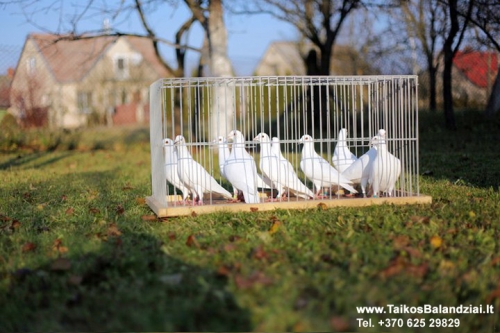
192,242
234,238
172,236
400,241
229,247
254,209
58,247
223,270
70,211
119,210
94,210
248,282
148,217
140,201
495,261
127,187
4,218
75,280
113,230
15,224
60,264
494,294
64,197
322,206
339,324
419,271
28,247
420,219
193,214
395,267
259,253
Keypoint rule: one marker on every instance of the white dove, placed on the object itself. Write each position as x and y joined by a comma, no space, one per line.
223,155
240,168
318,170
342,157
194,176
170,152
385,168
359,171
290,179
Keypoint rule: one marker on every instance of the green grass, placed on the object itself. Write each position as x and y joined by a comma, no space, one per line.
79,249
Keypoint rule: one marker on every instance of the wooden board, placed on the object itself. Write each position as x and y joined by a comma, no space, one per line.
162,211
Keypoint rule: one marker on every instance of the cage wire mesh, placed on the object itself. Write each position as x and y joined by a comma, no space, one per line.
287,107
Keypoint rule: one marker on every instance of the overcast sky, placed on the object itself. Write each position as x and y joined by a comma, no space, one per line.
249,36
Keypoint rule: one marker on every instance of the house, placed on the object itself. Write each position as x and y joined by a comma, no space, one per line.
474,74
286,58
67,83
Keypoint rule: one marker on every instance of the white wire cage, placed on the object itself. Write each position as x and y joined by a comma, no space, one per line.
350,114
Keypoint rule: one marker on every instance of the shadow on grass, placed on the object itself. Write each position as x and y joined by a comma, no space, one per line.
470,155
20,161
117,276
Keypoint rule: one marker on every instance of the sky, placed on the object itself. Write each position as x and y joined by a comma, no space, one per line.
248,35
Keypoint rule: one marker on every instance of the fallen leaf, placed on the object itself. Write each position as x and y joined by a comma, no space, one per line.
140,201
420,219
127,187
274,227
436,242
193,214
119,210
400,241
94,210
259,253
75,280
28,247
234,238
494,294
148,217
69,211
192,242
229,247
254,209
223,270
339,324
248,282
64,197
58,247
4,218
172,236
322,206
60,264
495,261
113,230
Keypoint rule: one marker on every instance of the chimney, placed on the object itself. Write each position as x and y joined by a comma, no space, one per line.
10,72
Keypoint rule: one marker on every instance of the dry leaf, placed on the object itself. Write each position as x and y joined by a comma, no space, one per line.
254,209
15,224
322,206
119,210
148,217
274,227
61,264
229,247
248,282
64,197
339,324
94,210
172,236
70,211
113,230
193,214
420,219
127,187
28,247
259,253
140,201
400,242
436,242
192,242
234,238
75,280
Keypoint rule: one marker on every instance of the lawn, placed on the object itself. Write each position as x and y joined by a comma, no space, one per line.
80,250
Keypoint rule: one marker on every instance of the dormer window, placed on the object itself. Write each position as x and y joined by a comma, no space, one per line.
121,68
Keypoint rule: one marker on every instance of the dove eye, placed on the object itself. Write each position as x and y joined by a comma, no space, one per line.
262,136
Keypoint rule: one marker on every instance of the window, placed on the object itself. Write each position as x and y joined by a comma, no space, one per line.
84,102
121,68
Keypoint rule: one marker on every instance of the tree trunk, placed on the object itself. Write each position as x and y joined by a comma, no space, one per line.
494,101
222,108
449,113
432,87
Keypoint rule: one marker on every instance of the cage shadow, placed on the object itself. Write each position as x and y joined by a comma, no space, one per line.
21,161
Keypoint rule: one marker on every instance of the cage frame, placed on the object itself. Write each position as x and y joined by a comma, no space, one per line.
159,200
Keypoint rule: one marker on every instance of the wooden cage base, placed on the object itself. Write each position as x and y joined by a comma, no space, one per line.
184,210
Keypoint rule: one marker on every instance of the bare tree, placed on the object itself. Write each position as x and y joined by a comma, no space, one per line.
423,21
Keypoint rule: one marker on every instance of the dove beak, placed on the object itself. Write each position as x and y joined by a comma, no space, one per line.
256,138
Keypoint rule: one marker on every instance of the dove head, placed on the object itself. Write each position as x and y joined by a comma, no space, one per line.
276,140
167,142
306,139
342,134
179,140
381,133
262,137
236,136
221,140
377,140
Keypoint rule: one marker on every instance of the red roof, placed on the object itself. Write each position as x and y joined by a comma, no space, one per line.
479,67
71,60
